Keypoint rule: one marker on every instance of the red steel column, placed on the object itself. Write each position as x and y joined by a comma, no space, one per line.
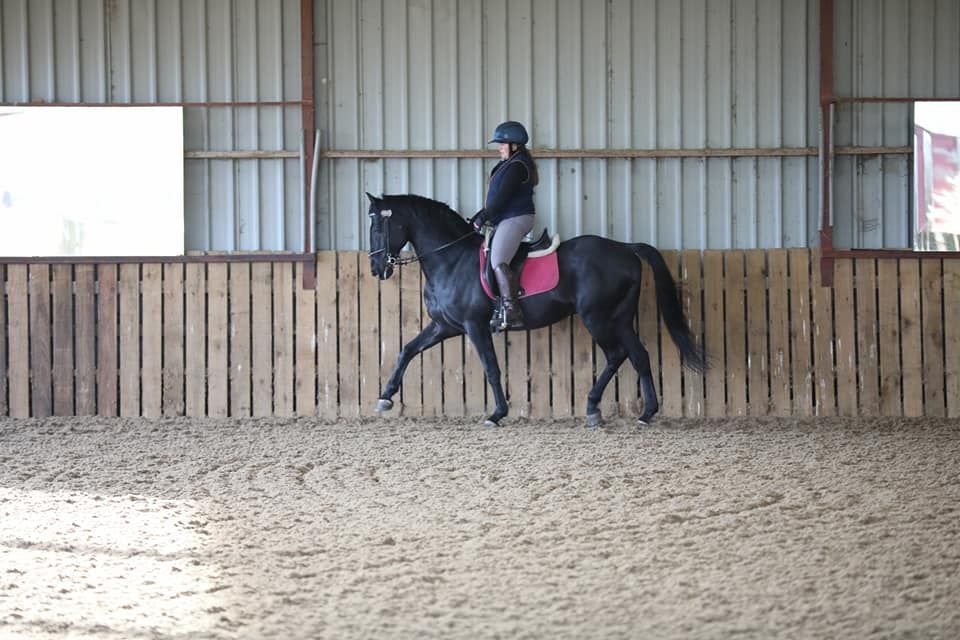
307,122
826,140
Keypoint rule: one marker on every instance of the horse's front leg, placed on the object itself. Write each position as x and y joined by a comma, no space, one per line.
482,339
432,334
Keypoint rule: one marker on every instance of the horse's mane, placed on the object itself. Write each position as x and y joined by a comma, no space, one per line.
438,212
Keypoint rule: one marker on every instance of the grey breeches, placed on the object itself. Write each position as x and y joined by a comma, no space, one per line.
507,240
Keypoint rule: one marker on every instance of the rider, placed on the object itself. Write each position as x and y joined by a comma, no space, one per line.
509,208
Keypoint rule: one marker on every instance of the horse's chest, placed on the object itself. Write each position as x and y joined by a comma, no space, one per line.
444,305
436,302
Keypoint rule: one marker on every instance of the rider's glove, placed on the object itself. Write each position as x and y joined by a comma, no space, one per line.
478,219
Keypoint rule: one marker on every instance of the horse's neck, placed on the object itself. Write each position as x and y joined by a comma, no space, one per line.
428,235
437,247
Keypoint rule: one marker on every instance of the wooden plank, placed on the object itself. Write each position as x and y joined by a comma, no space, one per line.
63,401
218,368
238,300
18,334
41,381
627,391
777,294
129,293
735,330
714,332
349,328
911,338
821,301
888,321
152,341
411,310
454,403
648,326
283,347
846,339
671,372
283,364
305,383
474,381
85,349
369,341
561,368
931,276
801,343
694,383
327,332
107,346
951,337
433,376
758,329
261,333
519,373
868,362
500,350
540,373
174,403
390,329
608,401
583,366
195,361
4,406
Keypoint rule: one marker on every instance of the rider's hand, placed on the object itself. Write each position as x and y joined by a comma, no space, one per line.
478,220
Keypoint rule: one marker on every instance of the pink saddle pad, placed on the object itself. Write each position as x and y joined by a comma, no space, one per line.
538,275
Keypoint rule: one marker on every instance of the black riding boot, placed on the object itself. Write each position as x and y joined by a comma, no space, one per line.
511,316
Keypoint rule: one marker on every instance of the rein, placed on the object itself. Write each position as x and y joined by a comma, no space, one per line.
395,260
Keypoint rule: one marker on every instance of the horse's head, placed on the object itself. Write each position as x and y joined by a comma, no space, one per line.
388,234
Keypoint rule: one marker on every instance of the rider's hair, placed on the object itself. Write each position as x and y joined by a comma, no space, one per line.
534,172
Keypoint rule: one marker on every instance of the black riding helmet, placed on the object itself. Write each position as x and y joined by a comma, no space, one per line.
510,132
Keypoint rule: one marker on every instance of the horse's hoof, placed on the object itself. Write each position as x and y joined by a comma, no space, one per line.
594,420
384,405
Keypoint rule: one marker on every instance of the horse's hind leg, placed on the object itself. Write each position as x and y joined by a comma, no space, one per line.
615,355
640,360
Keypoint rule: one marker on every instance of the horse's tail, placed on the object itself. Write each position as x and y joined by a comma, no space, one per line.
668,302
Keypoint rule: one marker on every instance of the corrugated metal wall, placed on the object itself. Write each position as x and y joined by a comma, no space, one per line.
440,74
621,74
888,48
181,51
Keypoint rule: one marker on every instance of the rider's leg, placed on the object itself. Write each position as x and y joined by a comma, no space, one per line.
509,292
509,234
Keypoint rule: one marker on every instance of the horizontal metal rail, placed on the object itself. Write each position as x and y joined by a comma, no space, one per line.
877,99
211,258
242,103
240,155
781,152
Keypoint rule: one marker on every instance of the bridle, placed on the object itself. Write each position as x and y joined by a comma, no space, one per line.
393,259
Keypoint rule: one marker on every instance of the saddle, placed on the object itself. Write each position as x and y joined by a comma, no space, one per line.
535,264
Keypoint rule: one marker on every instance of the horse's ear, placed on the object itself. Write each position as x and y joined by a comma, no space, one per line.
373,199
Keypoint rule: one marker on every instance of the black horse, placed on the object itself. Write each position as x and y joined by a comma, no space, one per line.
599,280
